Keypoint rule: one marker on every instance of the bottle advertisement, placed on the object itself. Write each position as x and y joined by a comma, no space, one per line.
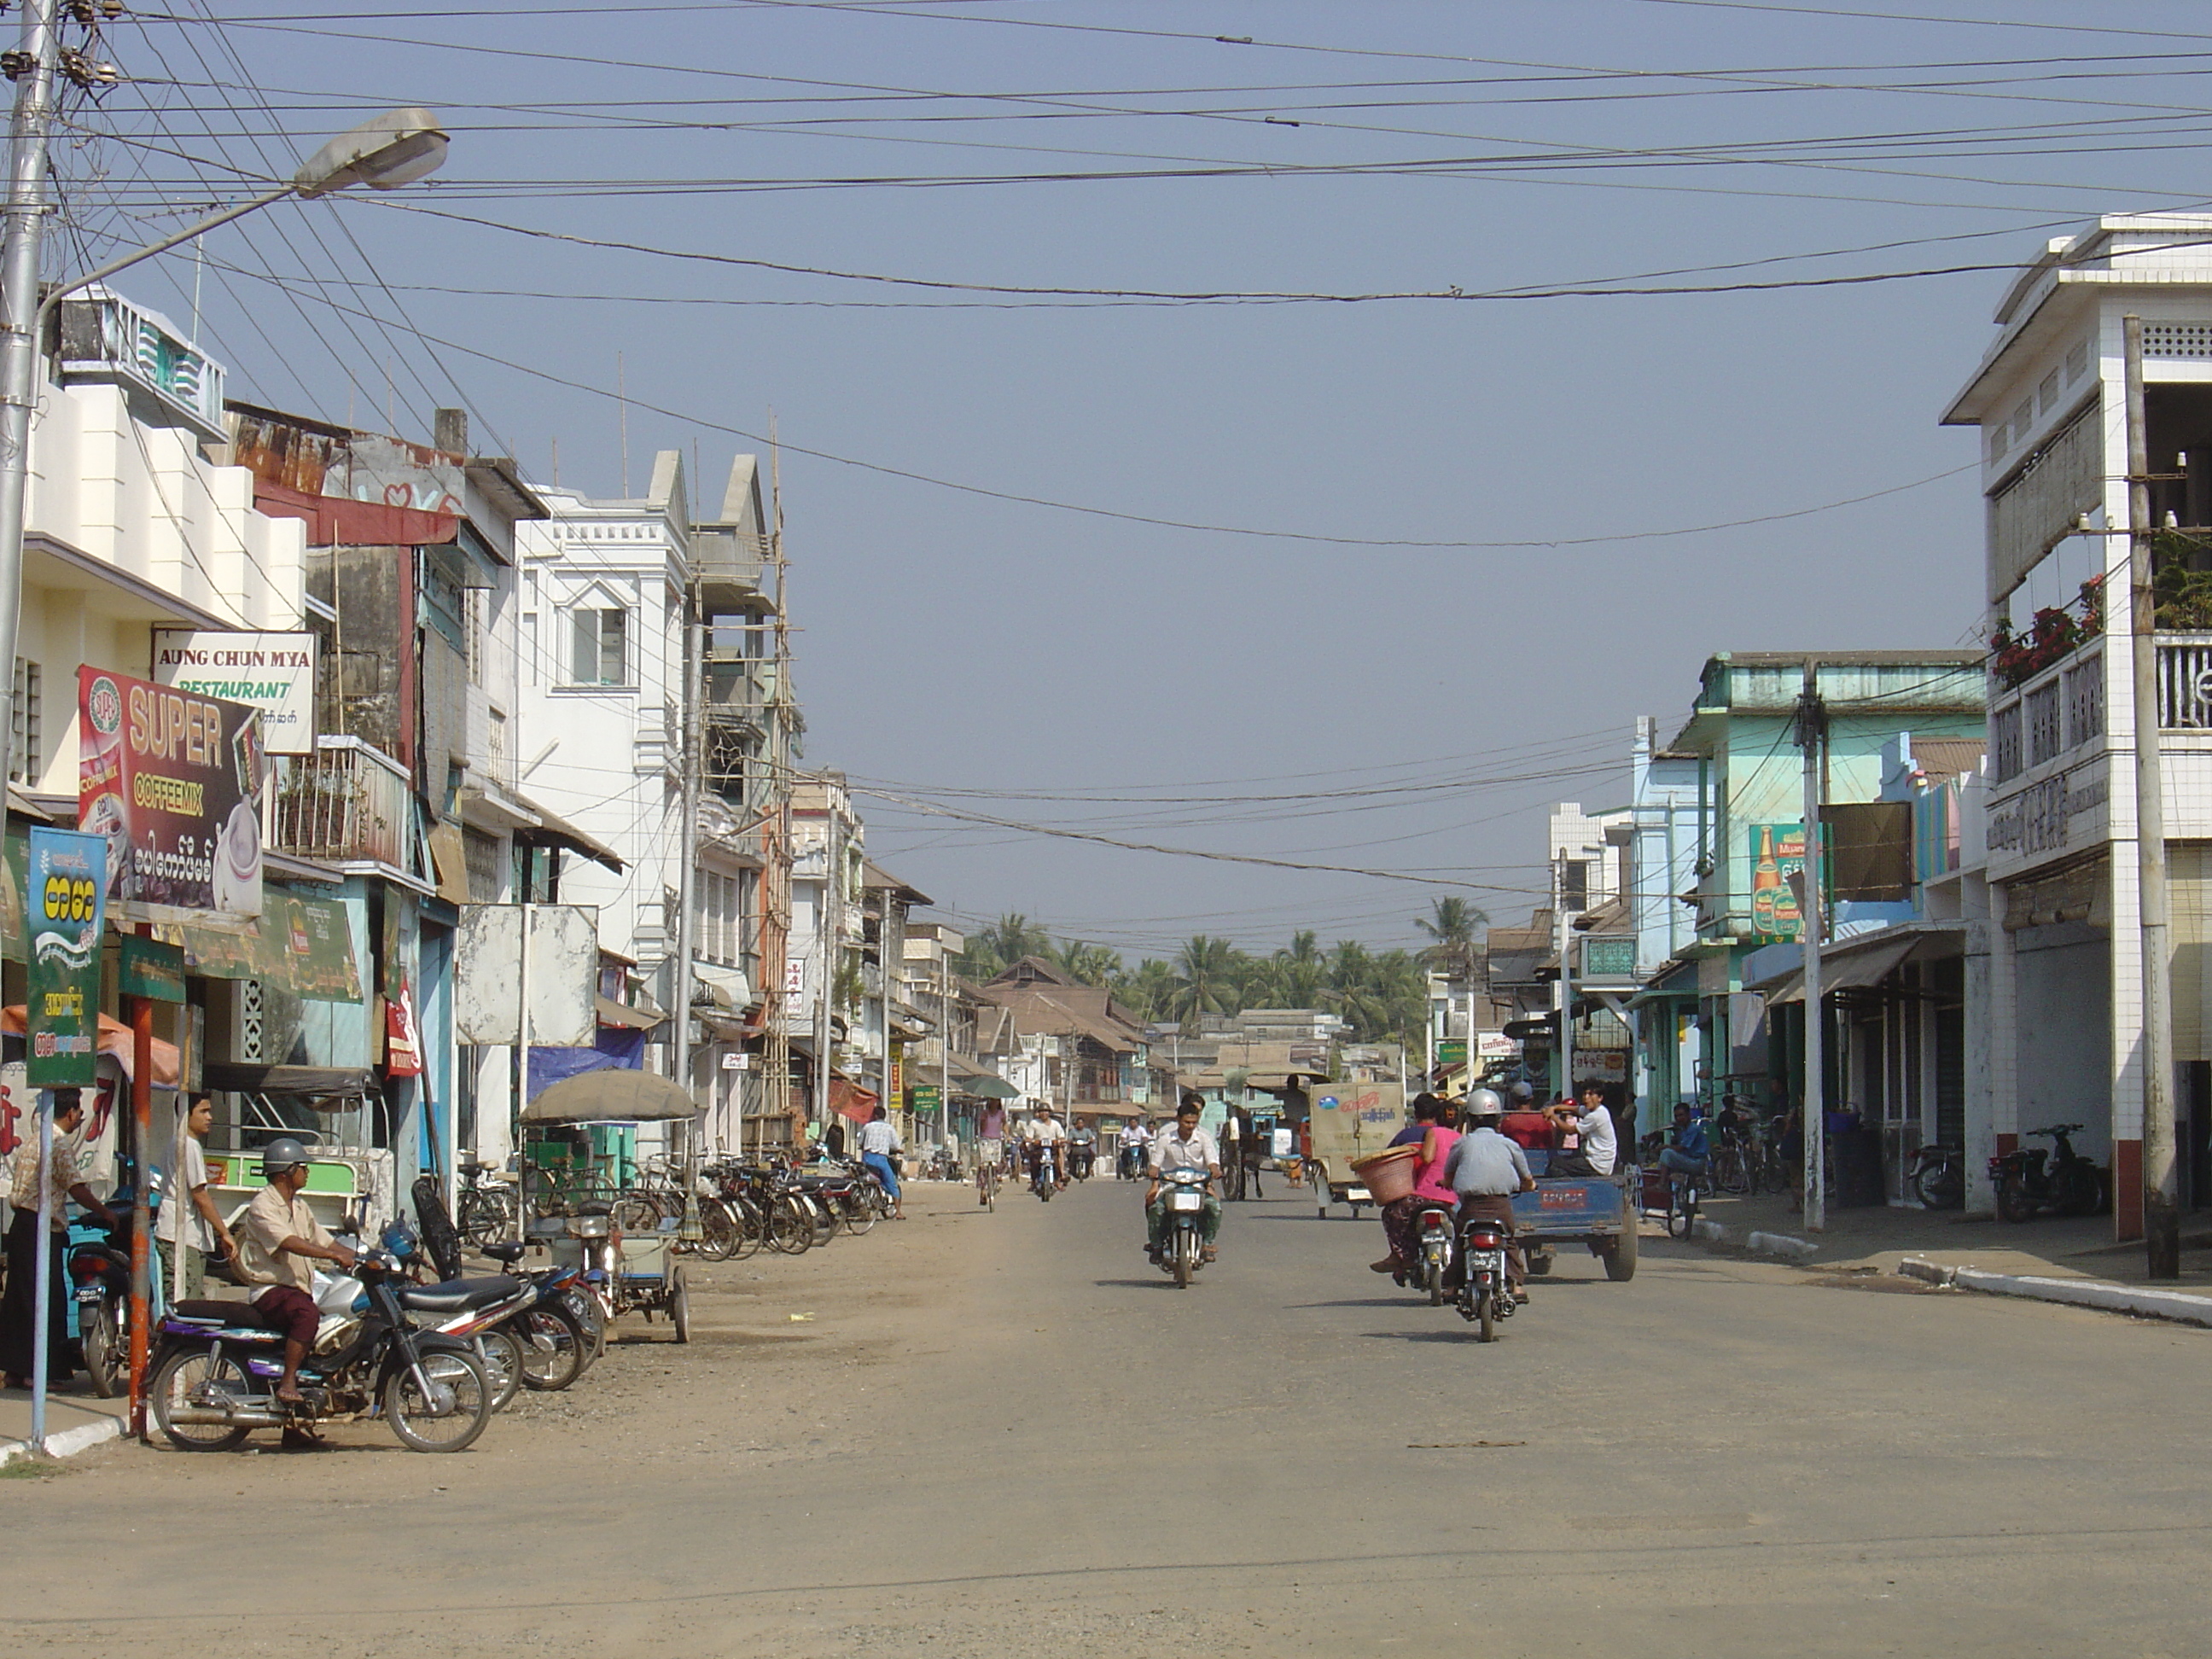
1777,852
171,782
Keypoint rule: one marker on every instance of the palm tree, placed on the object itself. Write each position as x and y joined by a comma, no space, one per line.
1451,923
1086,964
1204,981
997,945
1145,993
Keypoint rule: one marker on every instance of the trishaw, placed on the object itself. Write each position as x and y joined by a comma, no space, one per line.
630,1269
1346,1122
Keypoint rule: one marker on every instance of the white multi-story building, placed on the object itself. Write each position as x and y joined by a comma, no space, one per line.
2048,884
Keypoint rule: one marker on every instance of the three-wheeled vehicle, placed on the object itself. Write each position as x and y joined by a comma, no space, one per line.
1598,1211
1346,1122
631,1270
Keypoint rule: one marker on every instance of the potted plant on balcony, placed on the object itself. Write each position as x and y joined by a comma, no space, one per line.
2053,633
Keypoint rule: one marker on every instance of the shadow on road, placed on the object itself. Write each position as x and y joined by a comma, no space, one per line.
1420,1336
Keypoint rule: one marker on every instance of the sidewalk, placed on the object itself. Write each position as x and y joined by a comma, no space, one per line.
73,1421
2052,1247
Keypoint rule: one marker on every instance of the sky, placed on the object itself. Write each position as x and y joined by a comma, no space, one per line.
1240,646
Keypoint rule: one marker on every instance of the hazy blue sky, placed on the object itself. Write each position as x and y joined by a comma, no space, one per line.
950,641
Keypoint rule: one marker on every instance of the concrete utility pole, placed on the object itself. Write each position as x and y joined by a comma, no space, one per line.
2161,1191
1563,994
1812,731
687,838
25,216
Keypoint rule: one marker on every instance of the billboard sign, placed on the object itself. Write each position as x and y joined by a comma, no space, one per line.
68,904
273,672
172,781
1777,854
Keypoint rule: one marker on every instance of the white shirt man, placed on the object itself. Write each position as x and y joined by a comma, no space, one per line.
878,1137
1172,1149
1134,1135
1046,1138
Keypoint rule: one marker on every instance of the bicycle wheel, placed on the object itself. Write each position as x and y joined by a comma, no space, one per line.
718,1231
753,1230
860,1209
824,1216
790,1224
1731,1170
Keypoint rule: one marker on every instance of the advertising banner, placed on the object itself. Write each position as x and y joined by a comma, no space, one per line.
1777,852
272,672
172,781
68,905
150,968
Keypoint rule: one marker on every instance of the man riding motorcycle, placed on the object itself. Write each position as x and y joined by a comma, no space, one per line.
1044,1143
1186,1146
278,1242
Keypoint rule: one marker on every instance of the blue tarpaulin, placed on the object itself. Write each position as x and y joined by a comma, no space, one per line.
616,1049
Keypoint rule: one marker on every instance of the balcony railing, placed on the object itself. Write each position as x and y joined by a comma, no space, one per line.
346,802
2184,682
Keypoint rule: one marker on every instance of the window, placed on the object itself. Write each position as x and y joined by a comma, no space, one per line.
600,653
25,733
1574,885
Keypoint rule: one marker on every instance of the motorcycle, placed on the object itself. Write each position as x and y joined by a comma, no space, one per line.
1182,1242
1437,1256
218,1367
1080,1158
1484,1296
554,1337
1043,1173
2068,1183
1939,1177
99,1293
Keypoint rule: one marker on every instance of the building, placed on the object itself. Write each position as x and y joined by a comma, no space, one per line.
2048,889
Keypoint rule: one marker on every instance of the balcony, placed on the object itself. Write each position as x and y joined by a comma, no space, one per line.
348,803
2060,710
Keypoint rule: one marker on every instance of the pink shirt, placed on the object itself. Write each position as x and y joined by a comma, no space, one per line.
1430,1183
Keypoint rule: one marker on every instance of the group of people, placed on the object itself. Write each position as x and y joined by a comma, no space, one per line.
1039,1142
1474,1157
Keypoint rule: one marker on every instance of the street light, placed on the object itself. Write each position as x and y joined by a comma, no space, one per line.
396,148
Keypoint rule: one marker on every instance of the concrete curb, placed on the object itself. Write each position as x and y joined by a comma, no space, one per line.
1781,1245
2179,1305
69,1441
1711,1233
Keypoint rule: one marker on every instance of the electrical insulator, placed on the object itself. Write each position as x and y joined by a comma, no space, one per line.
17,64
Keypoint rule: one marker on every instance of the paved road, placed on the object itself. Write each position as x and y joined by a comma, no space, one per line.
1007,1435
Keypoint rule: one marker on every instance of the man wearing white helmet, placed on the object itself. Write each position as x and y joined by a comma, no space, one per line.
278,1244
1485,1170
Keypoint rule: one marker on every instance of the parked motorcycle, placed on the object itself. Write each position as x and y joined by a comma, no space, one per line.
218,1367
2061,1179
555,1338
1484,1296
100,1292
1938,1176
1182,1242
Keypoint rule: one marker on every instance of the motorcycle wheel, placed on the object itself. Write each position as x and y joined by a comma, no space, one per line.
2080,1191
1183,1255
1435,1281
592,1320
1937,1186
502,1364
2013,1202
194,1370
416,1426
554,1348
104,1361
1485,1317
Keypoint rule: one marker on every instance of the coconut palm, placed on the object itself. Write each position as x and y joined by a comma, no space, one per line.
1450,924
1086,964
1204,979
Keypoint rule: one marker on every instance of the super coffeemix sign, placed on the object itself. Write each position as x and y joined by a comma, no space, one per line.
171,783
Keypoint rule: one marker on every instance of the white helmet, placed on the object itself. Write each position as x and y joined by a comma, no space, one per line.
1484,1103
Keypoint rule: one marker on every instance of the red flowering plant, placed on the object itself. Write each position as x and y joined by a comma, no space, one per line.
2054,632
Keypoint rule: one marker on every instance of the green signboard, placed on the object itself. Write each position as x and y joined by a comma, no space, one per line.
66,903
147,968
1451,1051
927,1096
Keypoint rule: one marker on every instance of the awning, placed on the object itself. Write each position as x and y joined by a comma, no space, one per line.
339,1084
552,829
304,944
850,1100
117,1042
1848,970
617,1013
725,988
612,1097
985,1086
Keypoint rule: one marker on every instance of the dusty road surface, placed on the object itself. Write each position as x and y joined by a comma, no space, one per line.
1007,1435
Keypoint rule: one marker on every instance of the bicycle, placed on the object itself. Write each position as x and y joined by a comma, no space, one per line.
987,1182
486,1214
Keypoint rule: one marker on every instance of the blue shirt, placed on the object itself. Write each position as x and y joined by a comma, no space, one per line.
1411,1135
1690,1141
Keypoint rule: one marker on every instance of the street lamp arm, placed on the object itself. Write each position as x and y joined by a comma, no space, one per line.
61,291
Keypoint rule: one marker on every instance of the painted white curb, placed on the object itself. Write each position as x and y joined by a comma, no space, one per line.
1711,1231
1780,1244
2182,1305
69,1441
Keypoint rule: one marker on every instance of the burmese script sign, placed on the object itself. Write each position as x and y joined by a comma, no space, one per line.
172,782
273,672
61,1011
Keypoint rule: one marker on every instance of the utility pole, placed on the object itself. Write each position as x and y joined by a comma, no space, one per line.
1812,731
687,838
1563,994
2162,1193
24,219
